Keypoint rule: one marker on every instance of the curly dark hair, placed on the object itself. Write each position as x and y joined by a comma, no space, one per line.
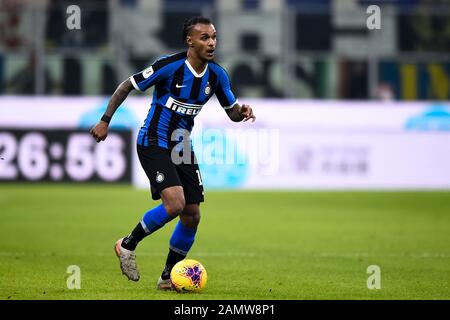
191,22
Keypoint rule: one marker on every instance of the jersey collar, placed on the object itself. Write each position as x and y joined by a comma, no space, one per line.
197,75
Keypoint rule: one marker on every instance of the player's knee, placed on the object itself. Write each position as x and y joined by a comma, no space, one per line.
191,216
195,220
191,222
175,207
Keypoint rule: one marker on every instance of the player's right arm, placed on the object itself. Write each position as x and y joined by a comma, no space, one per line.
141,81
100,130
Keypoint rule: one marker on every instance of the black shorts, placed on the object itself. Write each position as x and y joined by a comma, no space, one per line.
163,173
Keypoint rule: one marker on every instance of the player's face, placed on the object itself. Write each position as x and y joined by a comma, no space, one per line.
202,40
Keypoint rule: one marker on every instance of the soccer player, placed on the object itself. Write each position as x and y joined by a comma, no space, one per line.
183,82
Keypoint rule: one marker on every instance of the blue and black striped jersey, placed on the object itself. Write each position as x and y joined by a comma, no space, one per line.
179,95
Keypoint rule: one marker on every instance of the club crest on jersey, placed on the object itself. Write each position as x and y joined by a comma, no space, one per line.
183,107
159,177
147,72
207,89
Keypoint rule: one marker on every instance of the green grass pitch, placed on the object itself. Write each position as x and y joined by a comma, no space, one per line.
254,245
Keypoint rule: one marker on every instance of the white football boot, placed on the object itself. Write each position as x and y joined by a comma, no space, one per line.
127,260
164,284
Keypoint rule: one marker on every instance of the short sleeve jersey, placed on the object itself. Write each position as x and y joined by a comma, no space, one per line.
180,93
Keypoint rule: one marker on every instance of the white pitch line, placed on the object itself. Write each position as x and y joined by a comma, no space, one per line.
240,254
387,255
104,254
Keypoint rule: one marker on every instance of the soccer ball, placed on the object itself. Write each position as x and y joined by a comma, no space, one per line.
188,275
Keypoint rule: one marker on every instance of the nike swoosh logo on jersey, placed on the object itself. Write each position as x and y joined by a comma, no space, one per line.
178,86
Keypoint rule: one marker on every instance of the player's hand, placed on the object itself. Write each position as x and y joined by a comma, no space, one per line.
100,131
247,112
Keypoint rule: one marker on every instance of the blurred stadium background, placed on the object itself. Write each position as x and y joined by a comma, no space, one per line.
340,108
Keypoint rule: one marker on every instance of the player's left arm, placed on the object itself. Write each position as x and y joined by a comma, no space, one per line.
240,112
229,103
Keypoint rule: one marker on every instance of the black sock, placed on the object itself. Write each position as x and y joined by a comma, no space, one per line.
172,258
133,239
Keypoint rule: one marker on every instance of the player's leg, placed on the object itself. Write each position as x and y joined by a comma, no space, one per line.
172,205
180,242
184,233
165,184
154,219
